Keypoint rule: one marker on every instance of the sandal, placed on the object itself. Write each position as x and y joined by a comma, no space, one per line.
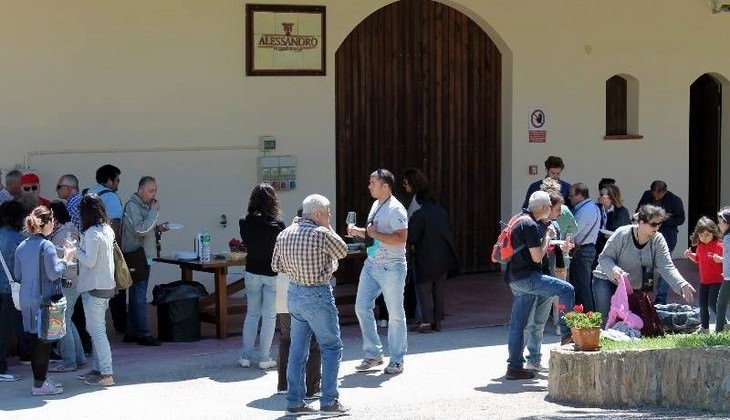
61,368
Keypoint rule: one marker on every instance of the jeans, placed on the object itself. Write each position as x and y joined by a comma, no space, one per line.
95,309
72,351
536,326
260,305
7,316
390,281
313,311
524,294
580,275
137,311
662,287
708,302
723,299
603,290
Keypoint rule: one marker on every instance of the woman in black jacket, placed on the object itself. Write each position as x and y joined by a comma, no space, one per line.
259,230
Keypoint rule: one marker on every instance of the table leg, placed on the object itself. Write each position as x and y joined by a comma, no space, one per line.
186,274
221,303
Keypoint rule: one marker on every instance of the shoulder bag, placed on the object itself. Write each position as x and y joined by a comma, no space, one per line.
137,259
51,316
14,286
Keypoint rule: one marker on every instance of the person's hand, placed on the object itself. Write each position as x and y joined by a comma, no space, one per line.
551,233
69,253
689,254
356,231
567,246
371,230
688,293
163,227
617,273
156,205
717,258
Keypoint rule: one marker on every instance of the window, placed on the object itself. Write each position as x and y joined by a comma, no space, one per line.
622,108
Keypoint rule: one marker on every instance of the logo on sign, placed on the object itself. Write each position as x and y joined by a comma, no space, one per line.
287,41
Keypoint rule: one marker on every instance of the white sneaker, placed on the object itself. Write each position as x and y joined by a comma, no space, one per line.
267,364
535,367
244,362
382,323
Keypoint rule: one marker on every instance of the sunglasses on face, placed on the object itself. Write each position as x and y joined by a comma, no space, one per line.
655,224
30,188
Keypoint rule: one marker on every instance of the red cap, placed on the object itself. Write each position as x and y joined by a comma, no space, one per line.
29,178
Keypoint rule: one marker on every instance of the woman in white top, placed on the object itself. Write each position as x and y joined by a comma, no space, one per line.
96,284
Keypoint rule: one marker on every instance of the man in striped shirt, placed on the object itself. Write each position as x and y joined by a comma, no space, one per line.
307,252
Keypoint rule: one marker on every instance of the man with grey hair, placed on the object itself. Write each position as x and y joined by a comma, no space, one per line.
67,189
11,190
530,238
307,252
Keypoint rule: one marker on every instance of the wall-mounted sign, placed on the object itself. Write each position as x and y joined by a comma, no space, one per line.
537,128
283,40
279,171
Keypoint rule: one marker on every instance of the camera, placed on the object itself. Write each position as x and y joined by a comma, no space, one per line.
647,280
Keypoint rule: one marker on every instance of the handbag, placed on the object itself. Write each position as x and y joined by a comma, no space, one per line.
51,316
122,276
640,303
14,286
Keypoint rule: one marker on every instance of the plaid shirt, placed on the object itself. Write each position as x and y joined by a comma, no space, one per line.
308,253
5,196
72,204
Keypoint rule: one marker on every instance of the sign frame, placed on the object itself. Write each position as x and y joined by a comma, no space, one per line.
287,52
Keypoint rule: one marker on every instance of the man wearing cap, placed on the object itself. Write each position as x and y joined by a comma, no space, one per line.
658,195
11,190
30,183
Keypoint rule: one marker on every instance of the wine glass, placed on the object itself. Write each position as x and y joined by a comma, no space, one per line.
351,219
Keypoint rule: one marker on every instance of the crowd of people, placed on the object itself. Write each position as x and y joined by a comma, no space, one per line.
65,248
569,249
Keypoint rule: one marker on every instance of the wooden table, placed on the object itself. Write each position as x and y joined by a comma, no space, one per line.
218,300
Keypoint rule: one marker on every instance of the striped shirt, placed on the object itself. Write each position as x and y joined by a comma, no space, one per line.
5,196
72,204
308,253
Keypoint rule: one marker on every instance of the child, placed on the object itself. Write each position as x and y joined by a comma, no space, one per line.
723,216
708,256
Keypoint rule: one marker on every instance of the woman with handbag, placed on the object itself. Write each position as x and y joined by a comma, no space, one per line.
12,215
72,351
38,269
96,284
641,252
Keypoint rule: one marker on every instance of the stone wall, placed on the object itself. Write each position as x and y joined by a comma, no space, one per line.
689,378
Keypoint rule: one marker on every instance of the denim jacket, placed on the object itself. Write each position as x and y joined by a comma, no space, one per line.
9,241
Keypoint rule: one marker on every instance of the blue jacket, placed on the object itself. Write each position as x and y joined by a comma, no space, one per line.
9,241
26,272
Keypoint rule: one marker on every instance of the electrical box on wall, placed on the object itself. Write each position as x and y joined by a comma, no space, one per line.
267,143
279,171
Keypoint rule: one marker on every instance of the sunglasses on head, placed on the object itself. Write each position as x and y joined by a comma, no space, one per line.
30,188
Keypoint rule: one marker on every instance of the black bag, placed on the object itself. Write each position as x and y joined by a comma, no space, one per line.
137,263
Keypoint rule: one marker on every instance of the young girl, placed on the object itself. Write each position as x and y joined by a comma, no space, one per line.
708,256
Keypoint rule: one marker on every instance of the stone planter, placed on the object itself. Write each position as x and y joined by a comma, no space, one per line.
687,378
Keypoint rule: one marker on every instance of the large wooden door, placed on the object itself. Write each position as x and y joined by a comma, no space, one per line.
705,112
418,85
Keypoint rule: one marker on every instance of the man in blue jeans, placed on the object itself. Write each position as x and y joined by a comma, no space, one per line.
307,252
530,239
588,217
384,272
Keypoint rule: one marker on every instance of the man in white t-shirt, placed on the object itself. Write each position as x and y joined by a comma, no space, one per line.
384,272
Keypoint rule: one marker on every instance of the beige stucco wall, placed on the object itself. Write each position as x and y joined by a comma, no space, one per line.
81,75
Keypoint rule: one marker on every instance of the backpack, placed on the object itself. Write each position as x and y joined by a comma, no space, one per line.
502,250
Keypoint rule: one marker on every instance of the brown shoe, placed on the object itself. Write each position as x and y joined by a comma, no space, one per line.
515,373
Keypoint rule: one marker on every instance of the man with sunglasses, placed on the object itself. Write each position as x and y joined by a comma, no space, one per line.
657,195
11,191
30,183
67,189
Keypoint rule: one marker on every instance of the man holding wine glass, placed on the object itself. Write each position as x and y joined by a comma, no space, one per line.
384,272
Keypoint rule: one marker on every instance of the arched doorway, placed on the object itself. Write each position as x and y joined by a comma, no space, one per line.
418,84
705,113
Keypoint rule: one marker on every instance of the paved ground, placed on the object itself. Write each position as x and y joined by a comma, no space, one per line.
454,374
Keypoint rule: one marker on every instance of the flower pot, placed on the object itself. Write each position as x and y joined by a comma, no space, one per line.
586,339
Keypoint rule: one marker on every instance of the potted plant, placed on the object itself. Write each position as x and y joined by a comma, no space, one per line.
237,248
585,327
